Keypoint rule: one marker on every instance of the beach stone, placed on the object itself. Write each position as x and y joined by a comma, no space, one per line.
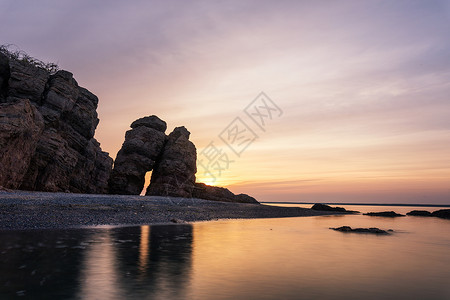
174,172
215,193
59,152
142,146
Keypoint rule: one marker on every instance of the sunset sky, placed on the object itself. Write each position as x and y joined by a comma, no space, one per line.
363,86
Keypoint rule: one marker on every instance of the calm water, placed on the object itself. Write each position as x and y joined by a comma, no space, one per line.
291,258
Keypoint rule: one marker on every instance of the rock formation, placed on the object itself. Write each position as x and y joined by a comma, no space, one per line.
174,172
442,213
373,230
172,160
216,193
324,207
389,214
142,146
47,125
419,213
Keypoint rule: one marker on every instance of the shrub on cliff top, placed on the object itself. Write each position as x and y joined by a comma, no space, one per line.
12,52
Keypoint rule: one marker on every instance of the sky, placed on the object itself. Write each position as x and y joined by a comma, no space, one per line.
357,93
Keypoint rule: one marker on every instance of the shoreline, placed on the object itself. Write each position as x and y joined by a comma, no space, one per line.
21,210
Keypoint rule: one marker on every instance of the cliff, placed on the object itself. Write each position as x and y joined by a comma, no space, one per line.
47,126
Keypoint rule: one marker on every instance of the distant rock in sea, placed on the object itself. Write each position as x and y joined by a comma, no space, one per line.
47,126
372,230
324,207
442,213
390,214
216,193
420,213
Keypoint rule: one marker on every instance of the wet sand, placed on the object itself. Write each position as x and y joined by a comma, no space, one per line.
37,210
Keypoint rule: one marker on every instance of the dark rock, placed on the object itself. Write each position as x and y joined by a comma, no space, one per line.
216,193
142,146
27,81
151,122
390,214
421,213
4,76
21,126
174,172
372,230
56,121
324,207
442,213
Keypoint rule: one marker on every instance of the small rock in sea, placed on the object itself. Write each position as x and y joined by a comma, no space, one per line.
442,213
420,213
324,207
390,214
373,230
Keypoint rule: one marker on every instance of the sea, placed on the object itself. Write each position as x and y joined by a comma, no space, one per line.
281,258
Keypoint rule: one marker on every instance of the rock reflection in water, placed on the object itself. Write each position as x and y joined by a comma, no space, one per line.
156,262
40,263
114,263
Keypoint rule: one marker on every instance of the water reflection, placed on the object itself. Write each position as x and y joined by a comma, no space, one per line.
36,263
114,263
156,262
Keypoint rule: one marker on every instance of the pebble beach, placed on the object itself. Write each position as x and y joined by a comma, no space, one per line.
39,210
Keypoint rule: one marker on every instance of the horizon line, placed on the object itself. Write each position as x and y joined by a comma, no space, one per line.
363,204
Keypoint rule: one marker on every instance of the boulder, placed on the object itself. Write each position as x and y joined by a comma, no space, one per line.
174,172
390,214
142,147
58,120
420,213
372,230
216,193
442,213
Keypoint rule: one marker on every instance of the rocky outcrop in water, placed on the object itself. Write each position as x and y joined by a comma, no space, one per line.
442,213
174,172
47,125
142,147
389,214
216,193
324,207
372,230
419,213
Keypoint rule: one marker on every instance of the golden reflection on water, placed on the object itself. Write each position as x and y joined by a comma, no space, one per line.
246,258
287,258
99,264
143,248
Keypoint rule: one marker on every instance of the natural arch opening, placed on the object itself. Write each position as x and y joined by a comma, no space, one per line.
148,176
